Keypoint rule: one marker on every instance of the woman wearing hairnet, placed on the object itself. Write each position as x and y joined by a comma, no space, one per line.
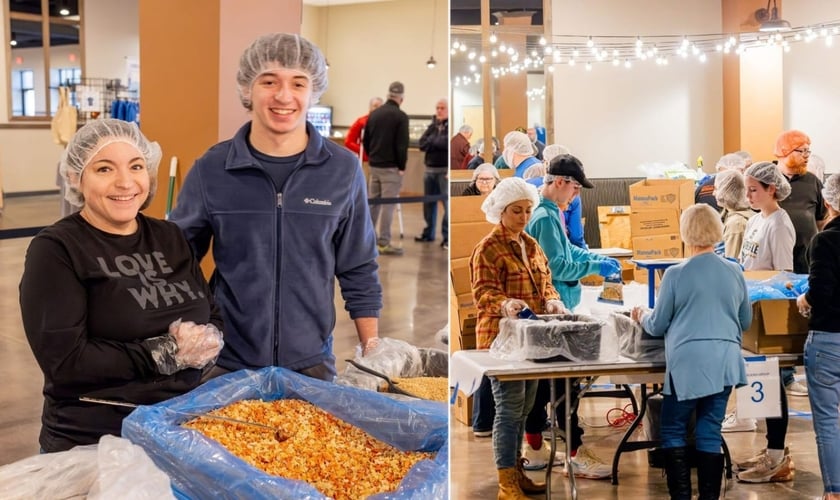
509,272
518,153
702,365
114,305
731,194
822,348
768,245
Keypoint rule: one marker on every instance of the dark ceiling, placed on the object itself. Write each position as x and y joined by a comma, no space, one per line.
28,33
468,12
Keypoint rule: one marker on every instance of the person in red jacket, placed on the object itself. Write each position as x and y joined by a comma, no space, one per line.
353,141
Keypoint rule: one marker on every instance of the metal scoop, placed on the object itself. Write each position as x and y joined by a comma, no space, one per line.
392,386
279,435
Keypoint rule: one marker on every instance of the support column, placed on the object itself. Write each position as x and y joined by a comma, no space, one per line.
753,85
189,55
511,101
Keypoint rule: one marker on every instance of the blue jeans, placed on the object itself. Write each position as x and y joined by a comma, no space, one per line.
435,183
513,402
787,374
822,368
484,407
676,415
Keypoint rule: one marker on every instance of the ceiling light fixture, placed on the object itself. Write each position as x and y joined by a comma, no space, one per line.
774,23
431,62
64,11
13,41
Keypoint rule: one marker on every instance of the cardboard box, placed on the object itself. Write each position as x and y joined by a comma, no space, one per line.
675,194
466,209
653,222
460,275
661,246
462,408
614,226
777,328
464,236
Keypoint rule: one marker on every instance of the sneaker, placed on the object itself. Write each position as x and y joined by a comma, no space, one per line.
734,424
765,472
796,388
423,239
587,465
535,459
483,434
389,250
445,245
753,461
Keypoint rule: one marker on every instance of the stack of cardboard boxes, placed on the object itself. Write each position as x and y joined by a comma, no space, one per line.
656,206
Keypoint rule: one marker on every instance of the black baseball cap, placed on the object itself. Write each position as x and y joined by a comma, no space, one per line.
569,166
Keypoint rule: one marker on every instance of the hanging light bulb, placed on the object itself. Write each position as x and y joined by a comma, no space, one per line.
431,62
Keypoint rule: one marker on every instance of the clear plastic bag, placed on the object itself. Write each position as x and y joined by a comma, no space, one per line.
550,337
393,358
781,286
199,467
634,342
114,468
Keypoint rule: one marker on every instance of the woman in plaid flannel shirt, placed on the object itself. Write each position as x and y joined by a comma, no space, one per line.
508,272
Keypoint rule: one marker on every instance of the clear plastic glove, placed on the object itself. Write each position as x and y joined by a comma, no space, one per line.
370,346
555,306
609,267
511,307
187,345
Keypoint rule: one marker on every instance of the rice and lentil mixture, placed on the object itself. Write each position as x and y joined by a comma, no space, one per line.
339,459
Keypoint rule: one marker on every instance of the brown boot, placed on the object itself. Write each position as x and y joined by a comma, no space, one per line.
509,485
527,484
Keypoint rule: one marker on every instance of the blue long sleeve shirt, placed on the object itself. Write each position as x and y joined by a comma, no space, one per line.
702,308
567,262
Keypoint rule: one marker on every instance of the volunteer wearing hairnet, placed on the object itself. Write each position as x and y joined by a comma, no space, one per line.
822,348
484,179
804,204
286,211
568,264
114,305
731,194
517,153
702,365
768,245
509,272
705,191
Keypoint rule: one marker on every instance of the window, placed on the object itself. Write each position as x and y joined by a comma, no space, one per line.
23,95
43,37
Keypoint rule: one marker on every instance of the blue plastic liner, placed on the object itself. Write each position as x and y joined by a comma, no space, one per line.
777,287
201,468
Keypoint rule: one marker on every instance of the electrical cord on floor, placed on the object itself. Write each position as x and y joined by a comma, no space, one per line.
615,417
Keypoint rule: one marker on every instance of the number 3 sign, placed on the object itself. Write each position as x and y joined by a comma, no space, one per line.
760,397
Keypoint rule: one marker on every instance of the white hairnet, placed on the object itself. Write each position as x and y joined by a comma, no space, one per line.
731,161
94,136
768,173
534,171
816,165
510,190
518,142
730,191
553,150
831,191
486,167
282,50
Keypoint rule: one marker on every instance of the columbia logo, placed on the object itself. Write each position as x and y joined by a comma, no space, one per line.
315,201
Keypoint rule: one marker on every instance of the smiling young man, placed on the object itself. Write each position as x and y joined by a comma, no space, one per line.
287,214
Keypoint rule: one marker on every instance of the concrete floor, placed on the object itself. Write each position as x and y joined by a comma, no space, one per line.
415,309
473,473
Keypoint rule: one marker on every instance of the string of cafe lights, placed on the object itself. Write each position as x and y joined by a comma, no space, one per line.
589,51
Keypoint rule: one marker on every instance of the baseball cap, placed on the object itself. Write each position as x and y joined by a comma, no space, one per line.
569,166
396,88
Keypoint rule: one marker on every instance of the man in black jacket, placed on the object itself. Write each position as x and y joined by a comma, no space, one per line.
435,143
386,142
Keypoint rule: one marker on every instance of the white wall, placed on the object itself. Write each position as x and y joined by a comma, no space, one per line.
369,45
111,36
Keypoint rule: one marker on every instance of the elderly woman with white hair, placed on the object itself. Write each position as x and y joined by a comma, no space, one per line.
484,179
113,302
509,272
822,348
702,363
731,194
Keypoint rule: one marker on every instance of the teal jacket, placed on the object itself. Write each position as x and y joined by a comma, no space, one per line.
567,262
